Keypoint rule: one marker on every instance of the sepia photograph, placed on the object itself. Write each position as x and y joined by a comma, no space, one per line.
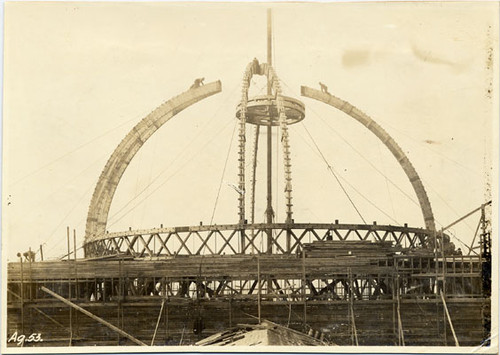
300,177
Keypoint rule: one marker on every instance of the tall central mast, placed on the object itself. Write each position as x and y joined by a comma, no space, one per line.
273,109
269,210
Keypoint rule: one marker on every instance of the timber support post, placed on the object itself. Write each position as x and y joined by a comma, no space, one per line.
449,319
158,322
259,289
304,287
22,292
351,308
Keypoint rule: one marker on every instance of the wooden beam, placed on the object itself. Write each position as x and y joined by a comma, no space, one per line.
467,215
449,319
351,306
158,322
87,313
400,326
38,310
259,287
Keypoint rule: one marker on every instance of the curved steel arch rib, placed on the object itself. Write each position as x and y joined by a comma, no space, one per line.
115,167
389,142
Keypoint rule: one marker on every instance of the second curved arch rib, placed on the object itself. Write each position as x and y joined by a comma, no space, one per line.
388,141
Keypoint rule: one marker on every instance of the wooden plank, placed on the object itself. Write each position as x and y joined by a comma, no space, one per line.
87,313
449,319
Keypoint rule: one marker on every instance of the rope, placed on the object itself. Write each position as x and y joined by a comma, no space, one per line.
427,183
149,177
46,199
178,157
166,180
222,176
51,235
427,146
362,156
33,172
347,182
333,173
368,161
254,173
386,181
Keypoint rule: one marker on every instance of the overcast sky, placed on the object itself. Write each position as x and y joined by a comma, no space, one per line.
79,76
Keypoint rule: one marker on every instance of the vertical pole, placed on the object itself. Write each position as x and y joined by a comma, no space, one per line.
393,283
231,311
351,305
269,210
396,293
269,38
74,257
485,252
41,252
485,262
483,230
118,320
258,287
289,314
401,336
349,318
30,283
164,291
69,290
436,283
166,320
443,255
22,292
351,309
288,241
77,288
304,286
120,295
254,178
67,239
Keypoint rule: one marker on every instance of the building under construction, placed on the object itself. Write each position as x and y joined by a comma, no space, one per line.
344,284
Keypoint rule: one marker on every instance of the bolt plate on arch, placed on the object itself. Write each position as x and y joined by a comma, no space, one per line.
261,109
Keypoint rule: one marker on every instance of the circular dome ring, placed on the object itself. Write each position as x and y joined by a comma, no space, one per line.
261,109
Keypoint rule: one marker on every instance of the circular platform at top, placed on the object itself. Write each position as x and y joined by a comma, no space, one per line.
262,109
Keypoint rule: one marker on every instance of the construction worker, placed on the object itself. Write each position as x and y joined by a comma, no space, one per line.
197,83
256,66
29,255
323,87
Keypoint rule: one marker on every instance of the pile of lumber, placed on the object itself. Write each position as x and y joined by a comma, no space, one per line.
335,249
265,333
